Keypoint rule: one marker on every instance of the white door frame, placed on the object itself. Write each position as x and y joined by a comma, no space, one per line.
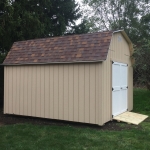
119,88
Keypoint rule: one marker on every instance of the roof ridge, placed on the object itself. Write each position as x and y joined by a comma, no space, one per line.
62,36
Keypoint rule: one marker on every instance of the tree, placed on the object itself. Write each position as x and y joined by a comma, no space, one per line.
5,24
29,19
81,28
120,14
142,63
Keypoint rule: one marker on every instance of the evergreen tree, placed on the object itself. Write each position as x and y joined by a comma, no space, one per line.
29,19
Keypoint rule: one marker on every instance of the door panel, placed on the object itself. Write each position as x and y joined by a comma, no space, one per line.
116,99
119,88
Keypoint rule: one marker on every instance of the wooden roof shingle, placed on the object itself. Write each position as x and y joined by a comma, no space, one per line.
65,49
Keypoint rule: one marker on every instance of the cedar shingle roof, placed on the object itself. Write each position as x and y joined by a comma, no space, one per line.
72,48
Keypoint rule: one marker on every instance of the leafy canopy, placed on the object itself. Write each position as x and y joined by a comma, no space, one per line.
29,19
130,15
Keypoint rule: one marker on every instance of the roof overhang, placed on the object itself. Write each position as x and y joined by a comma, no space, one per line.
73,62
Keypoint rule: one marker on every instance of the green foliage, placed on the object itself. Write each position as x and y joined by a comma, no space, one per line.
29,19
2,57
81,28
130,15
141,101
142,63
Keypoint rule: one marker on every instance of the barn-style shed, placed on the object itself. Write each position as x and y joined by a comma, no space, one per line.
83,78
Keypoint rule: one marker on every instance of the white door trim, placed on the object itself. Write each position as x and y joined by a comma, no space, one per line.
119,88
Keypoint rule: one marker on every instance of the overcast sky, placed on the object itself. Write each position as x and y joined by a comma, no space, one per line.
78,1
79,20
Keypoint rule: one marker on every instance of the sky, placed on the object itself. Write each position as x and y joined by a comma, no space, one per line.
82,7
79,1
79,20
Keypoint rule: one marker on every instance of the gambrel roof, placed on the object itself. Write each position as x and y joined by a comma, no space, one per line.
91,47
73,48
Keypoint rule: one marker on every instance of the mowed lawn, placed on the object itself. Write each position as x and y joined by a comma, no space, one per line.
53,137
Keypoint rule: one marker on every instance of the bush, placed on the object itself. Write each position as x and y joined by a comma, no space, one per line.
142,64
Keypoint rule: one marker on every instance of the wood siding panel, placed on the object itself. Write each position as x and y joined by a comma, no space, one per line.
5,89
14,79
10,92
51,104
87,93
56,92
42,98
25,84
21,86
46,91
92,94
81,93
66,92
71,90
61,91
97,93
33,88
38,92
76,93
130,89
17,91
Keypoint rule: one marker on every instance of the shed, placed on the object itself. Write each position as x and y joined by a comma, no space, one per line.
82,78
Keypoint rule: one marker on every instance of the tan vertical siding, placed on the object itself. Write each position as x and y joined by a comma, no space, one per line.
38,92
10,89
46,91
118,51
51,104
56,92
76,93
42,99
87,93
21,97
71,98
64,91
92,94
130,89
17,91
61,92
97,91
33,89
81,93
25,104
5,89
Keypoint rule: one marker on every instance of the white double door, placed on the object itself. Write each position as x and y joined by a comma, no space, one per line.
119,88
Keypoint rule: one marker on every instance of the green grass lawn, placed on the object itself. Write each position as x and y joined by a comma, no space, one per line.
44,137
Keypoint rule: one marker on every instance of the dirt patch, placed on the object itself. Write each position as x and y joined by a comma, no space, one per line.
15,119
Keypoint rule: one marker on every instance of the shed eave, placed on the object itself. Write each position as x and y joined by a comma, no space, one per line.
74,62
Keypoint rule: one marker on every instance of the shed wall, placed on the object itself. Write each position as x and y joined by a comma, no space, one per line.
67,92
119,52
